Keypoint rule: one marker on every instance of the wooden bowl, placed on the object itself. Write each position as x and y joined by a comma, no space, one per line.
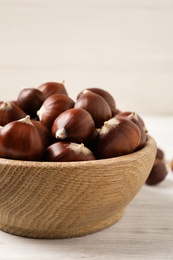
59,200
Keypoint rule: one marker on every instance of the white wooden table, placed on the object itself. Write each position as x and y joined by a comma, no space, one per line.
144,232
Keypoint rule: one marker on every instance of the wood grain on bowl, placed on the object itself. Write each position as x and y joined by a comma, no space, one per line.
59,200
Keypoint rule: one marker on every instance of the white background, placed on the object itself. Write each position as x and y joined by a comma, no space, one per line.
122,46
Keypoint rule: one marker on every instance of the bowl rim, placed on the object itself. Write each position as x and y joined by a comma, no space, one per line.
42,164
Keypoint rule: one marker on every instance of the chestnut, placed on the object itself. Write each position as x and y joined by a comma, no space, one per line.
14,102
10,112
52,107
44,132
118,136
95,105
75,125
158,172
137,120
67,152
20,140
30,100
104,94
90,143
160,154
51,88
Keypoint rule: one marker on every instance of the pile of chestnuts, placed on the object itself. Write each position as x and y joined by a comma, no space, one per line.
45,124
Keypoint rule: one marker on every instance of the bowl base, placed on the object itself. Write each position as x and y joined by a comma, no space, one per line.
63,233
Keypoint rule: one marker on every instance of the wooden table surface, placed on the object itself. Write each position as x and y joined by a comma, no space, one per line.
144,232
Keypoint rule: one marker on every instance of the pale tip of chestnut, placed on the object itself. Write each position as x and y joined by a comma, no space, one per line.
78,148
61,134
85,91
6,106
26,120
108,125
40,112
133,115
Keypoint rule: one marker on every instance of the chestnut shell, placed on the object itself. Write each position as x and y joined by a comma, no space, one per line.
119,140
11,113
104,94
96,106
52,107
76,123
30,100
51,88
67,152
21,141
44,132
135,118
158,172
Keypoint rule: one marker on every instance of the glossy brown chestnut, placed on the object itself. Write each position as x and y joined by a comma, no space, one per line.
117,137
44,132
67,152
160,154
90,143
51,88
10,112
30,100
14,102
75,125
104,94
135,119
139,118
158,172
52,107
96,106
21,140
